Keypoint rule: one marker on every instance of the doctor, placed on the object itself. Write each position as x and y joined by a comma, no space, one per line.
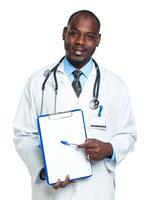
109,120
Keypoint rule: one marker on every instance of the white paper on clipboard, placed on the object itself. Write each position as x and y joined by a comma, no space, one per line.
61,160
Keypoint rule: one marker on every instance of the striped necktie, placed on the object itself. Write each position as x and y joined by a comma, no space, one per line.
76,82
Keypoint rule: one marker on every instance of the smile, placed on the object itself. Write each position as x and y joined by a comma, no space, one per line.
79,51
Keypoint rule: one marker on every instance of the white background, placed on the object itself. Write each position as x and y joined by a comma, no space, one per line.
31,38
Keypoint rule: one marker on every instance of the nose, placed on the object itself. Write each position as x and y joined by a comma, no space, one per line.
81,40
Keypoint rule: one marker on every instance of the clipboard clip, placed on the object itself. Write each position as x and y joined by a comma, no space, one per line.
60,115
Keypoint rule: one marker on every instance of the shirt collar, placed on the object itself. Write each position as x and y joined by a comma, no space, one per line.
86,69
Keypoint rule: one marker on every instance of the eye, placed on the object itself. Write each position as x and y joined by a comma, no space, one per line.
73,33
90,36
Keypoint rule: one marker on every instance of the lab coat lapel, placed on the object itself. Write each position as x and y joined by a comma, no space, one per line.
87,92
66,97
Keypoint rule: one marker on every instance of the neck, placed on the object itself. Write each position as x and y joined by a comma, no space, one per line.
78,64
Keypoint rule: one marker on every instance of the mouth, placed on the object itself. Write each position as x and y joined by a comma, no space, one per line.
79,51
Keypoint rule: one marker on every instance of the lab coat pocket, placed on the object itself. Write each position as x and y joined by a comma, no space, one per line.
98,128
98,122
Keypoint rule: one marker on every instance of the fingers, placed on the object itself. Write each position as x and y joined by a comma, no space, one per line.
84,145
81,145
62,184
89,143
91,148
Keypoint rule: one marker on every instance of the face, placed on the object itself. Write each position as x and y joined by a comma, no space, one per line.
81,38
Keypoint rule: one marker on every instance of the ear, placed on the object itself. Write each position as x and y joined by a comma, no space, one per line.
64,33
98,39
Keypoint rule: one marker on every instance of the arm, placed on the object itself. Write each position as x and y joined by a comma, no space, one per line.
26,137
123,136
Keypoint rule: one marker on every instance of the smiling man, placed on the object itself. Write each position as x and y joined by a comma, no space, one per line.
77,82
81,37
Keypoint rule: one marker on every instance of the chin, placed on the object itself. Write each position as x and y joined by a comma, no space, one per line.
78,61
77,58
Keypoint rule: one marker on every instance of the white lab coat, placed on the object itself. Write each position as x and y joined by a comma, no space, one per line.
120,131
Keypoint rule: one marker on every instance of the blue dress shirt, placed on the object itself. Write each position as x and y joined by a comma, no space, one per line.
69,68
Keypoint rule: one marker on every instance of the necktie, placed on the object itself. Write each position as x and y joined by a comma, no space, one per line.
76,83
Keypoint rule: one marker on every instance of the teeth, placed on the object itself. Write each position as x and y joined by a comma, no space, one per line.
78,52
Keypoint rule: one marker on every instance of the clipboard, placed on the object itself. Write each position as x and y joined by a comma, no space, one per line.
61,160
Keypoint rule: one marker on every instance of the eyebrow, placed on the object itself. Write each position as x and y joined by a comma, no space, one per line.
72,28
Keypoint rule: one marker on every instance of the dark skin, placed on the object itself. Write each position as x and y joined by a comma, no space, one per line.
81,37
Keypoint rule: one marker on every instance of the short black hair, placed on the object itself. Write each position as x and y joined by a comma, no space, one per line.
86,12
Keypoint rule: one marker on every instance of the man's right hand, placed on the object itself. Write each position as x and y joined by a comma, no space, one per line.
59,183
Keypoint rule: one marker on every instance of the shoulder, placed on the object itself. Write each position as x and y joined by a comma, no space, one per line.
39,76
111,77
113,83
42,73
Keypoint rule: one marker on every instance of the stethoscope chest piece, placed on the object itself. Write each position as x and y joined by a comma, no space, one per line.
94,104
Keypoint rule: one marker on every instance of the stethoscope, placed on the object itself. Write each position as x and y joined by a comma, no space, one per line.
93,104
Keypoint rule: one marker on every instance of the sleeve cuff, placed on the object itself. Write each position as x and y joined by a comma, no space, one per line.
111,162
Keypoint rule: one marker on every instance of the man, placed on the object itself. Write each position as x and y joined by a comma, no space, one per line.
105,146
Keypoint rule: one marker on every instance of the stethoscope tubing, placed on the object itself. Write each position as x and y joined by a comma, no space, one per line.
54,69
97,81
93,103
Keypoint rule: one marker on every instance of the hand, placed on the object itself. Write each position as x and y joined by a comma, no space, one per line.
96,149
62,184
42,174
